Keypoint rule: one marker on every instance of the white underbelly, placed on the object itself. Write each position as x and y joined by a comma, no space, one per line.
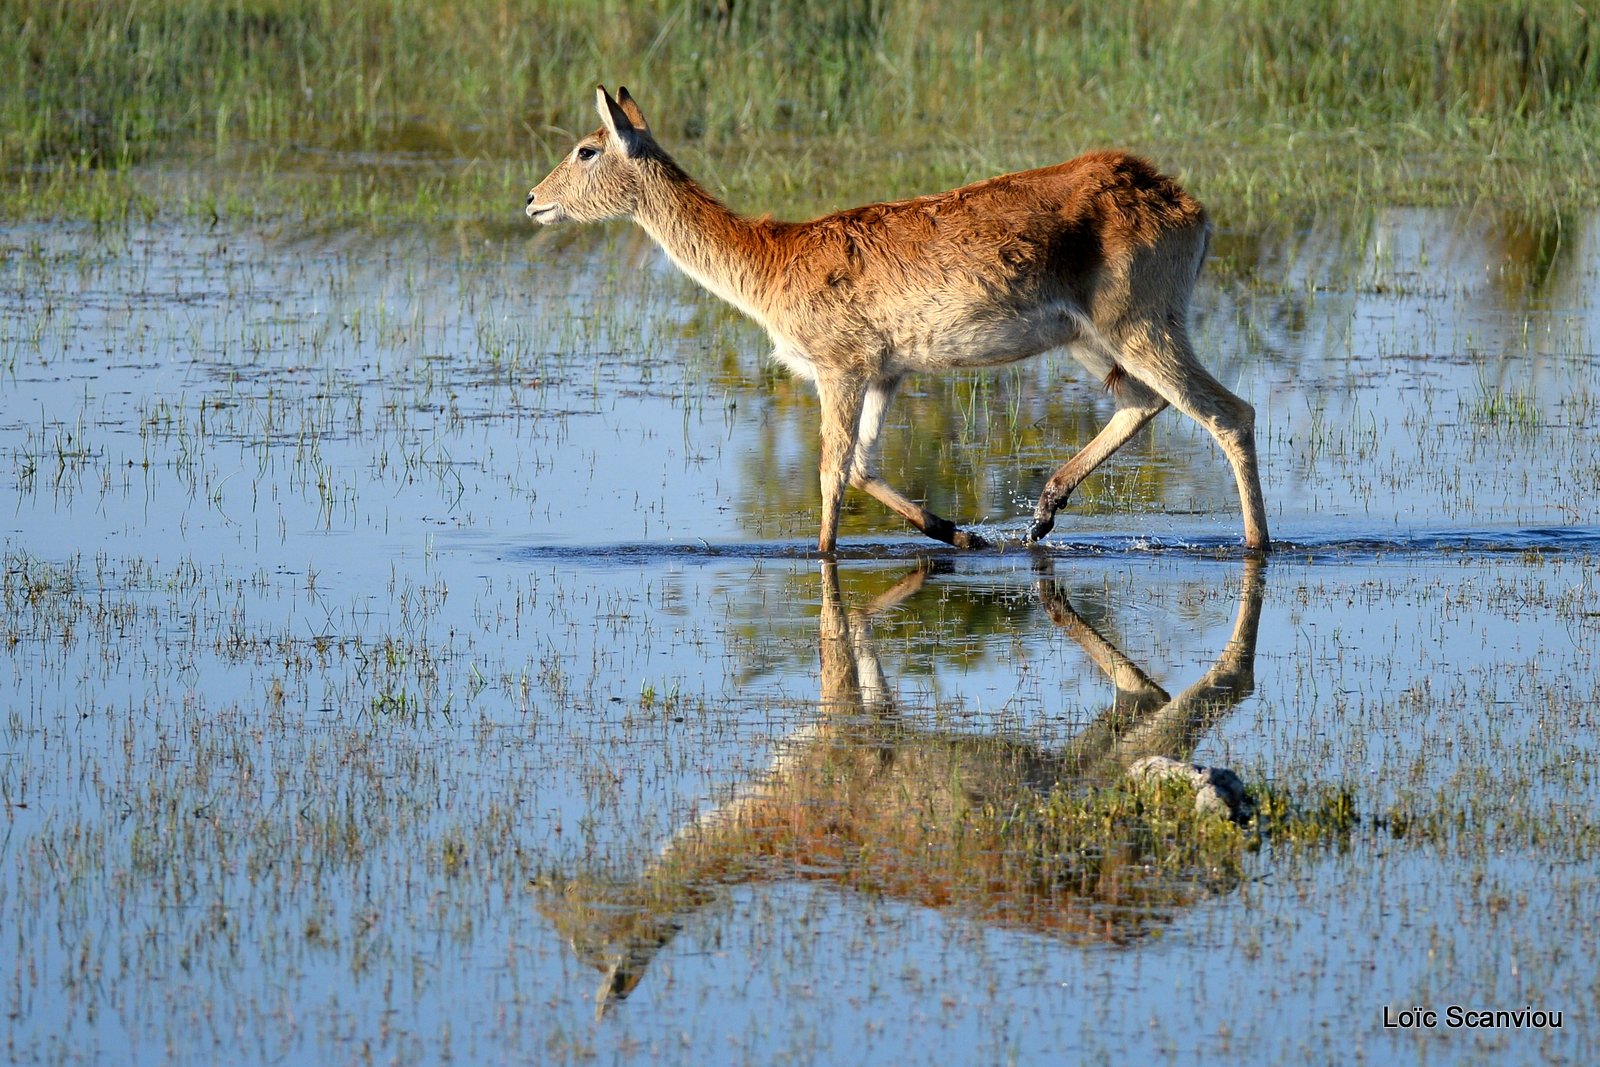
992,343
970,345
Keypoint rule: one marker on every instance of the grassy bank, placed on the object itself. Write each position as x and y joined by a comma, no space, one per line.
373,110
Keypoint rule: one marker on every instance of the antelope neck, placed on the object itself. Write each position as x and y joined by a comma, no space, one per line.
721,249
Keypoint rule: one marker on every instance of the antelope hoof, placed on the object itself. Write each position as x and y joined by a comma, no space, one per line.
1041,527
951,534
967,539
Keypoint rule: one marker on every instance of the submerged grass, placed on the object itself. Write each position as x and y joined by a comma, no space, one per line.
1511,408
375,110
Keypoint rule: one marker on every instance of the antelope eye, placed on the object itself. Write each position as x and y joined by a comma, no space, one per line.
588,152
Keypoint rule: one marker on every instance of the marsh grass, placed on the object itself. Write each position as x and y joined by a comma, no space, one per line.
370,109
1513,408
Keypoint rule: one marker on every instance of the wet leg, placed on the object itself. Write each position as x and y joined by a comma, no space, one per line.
1137,405
863,473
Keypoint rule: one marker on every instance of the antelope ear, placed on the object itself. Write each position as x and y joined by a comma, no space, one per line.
631,109
618,124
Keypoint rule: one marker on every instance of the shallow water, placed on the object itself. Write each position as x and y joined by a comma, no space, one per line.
353,584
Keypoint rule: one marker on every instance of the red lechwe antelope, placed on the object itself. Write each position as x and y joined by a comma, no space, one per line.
1098,254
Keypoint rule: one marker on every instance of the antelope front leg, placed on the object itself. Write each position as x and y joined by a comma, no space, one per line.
864,476
935,527
840,399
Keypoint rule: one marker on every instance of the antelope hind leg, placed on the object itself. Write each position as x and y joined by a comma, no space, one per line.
1137,405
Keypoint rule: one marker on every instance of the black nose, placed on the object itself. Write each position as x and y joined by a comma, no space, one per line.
530,198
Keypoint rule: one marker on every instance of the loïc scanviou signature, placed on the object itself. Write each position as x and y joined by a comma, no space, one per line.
1456,1017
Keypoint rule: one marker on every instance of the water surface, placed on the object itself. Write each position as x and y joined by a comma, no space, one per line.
356,587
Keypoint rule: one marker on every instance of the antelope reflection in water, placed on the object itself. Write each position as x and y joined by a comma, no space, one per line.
940,818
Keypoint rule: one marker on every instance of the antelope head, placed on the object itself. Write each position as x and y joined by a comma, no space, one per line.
600,178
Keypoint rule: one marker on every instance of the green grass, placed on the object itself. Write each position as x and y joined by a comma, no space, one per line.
368,110
1513,408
